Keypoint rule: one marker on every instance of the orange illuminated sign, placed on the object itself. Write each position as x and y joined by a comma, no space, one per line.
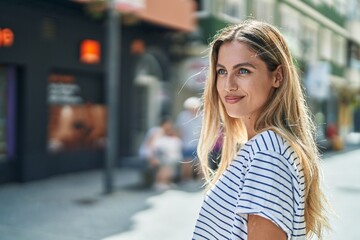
6,37
90,51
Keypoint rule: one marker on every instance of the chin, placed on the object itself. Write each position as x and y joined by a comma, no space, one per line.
234,114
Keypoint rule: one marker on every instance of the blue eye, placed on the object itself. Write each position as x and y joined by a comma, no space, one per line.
243,71
221,71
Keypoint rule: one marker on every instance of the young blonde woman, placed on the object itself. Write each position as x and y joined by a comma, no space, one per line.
267,183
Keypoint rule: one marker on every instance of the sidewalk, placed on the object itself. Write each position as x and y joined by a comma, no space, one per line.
71,207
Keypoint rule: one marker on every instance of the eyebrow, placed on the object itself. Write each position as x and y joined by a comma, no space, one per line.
245,64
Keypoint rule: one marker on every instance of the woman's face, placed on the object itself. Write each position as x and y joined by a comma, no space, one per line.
244,83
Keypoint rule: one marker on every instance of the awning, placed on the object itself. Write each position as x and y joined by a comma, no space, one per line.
176,14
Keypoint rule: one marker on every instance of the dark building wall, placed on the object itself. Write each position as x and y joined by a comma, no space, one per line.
47,40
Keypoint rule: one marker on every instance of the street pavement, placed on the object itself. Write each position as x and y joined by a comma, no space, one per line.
342,185
73,207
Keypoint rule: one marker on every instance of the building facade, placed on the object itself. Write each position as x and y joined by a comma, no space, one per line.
53,82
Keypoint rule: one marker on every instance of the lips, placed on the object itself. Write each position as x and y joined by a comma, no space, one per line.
233,99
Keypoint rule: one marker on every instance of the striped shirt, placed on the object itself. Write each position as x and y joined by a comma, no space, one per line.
265,179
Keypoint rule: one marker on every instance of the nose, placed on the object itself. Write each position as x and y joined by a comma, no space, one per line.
230,84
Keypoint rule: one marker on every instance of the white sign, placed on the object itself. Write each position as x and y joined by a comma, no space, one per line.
59,93
130,4
317,80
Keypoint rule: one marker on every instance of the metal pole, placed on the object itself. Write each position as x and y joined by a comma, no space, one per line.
112,92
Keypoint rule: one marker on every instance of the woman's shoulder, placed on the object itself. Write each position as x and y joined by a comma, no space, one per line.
269,146
269,141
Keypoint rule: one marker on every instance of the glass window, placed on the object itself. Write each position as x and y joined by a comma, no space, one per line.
309,40
77,114
202,8
325,47
290,26
339,50
7,112
232,10
264,10
353,7
3,110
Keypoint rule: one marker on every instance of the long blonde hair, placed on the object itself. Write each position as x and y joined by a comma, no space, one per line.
286,113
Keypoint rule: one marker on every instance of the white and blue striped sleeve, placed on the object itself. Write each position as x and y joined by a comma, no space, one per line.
268,190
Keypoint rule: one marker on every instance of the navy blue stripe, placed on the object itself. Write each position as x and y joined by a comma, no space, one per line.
225,192
271,140
274,180
252,149
277,140
252,180
224,229
242,156
298,235
206,231
211,206
266,146
286,149
235,175
302,228
270,193
241,220
195,233
232,189
268,170
273,164
209,197
257,144
290,155
298,215
230,180
231,204
240,170
235,161
209,226
299,222
237,235
267,200
244,150
212,214
273,157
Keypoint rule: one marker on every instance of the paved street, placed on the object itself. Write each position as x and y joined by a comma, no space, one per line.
72,207
171,215
343,187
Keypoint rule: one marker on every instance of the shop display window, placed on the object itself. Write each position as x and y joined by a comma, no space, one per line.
7,112
77,114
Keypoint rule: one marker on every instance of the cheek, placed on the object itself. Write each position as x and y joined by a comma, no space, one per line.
218,87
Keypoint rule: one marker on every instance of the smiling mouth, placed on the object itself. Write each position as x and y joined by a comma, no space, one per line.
233,99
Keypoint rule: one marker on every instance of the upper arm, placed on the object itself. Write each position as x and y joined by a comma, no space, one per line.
260,228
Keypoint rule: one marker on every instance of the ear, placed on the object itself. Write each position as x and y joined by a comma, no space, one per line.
278,77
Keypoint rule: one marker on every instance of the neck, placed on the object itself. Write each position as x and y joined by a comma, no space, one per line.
249,122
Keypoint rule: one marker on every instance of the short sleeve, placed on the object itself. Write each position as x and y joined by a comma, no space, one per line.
268,190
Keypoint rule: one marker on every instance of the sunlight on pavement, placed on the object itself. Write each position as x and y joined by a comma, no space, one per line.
176,208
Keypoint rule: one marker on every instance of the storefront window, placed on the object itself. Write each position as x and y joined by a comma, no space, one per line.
7,112
3,108
77,114
264,10
232,10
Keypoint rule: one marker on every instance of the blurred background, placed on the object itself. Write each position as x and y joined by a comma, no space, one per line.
57,83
